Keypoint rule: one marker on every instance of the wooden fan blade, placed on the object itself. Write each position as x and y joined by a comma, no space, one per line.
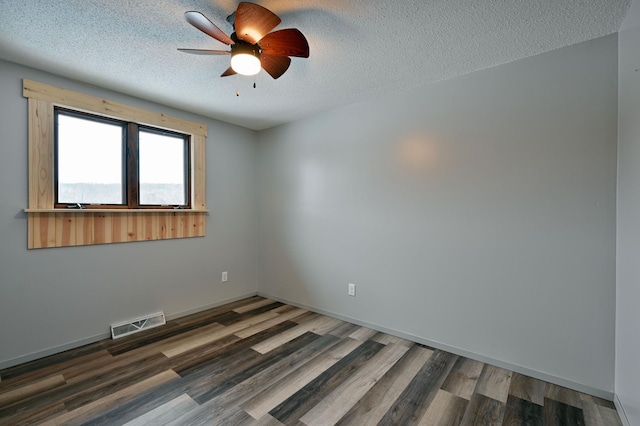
205,51
228,72
253,22
203,23
275,65
289,42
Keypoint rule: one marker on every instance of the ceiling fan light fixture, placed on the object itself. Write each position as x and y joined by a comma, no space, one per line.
254,46
245,59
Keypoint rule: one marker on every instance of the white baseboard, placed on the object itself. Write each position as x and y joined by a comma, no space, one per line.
88,340
621,413
458,351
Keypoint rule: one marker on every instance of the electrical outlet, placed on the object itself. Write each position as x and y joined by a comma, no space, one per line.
352,290
225,276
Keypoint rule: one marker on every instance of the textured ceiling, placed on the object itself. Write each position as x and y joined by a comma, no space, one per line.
360,49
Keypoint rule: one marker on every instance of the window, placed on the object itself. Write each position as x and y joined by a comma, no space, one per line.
106,163
140,174
163,171
89,160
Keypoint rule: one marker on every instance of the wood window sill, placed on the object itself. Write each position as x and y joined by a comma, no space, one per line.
116,211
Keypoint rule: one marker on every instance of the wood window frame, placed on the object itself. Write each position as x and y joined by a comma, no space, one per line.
49,226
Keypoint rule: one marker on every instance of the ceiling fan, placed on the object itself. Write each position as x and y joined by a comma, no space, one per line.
252,44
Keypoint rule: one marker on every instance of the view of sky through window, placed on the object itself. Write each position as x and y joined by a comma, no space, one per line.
162,174
89,161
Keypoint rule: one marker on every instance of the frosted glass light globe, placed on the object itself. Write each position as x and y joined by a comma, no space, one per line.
245,64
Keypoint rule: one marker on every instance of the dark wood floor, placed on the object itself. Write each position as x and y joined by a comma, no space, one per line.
259,362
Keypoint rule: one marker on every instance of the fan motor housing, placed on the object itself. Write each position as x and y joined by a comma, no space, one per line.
243,47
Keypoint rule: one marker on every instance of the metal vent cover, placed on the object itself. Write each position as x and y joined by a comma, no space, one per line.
136,325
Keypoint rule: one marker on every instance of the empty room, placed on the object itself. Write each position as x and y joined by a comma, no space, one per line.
319,212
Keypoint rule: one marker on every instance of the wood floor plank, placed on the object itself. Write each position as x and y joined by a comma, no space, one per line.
96,387
139,340
599,415
463,377
522,412
233,317
285,308
344,330
216,311
62,359
609,416
414,401
251,365
337,403
161,340
494,383
363,333
204,360
527,388
562,394
141,403
446,409
252,306
309,316
42,401
166,412
205,353
590,399
132,361
291,410
561,414
89,411
42,385
281,390
79,393
192,343
34,415
375,403
266,420
233,415
287,316
256,383
238,418
387,339
19,376
159,345
320,325
485,411
201,417
224,404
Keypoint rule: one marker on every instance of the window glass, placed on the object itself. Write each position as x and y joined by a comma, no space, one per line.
162,171
89,161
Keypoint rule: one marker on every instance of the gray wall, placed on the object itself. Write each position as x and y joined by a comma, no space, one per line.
52,297
477,214
627,377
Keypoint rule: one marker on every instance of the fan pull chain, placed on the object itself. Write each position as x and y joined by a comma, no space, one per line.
237,91
254,81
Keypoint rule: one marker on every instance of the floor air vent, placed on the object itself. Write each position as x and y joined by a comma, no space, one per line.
129,327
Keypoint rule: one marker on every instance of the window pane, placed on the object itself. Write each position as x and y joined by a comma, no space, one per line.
89,155
162,169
